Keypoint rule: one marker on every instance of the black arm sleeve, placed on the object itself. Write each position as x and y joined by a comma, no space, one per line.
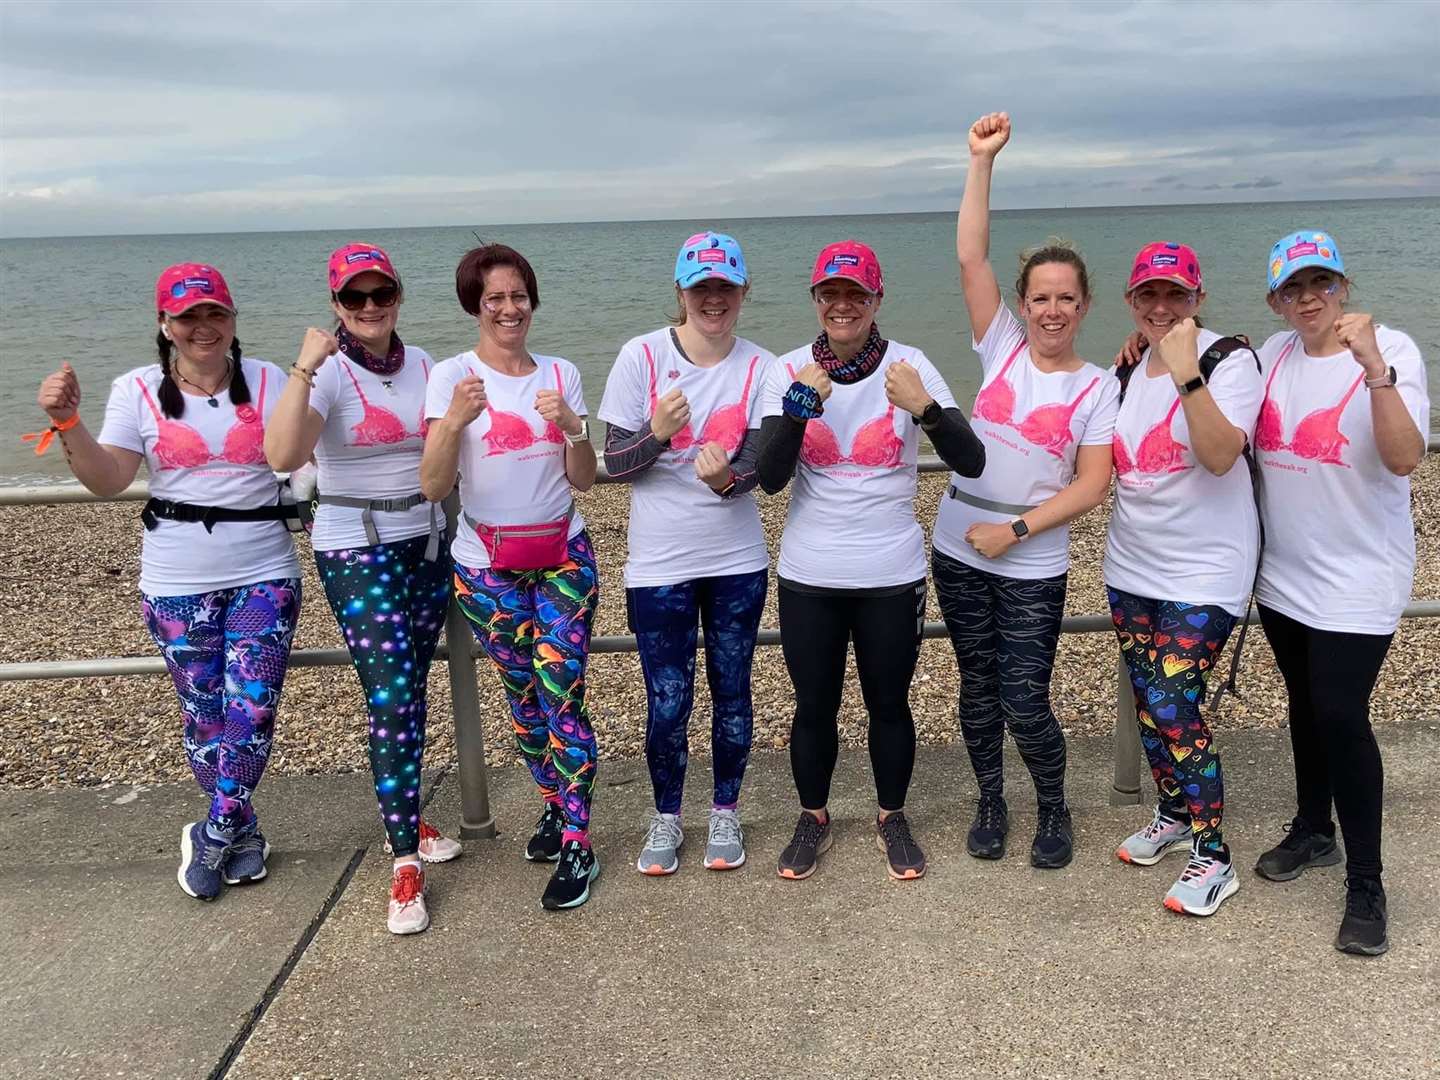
630,453
956,443
780,439
742,465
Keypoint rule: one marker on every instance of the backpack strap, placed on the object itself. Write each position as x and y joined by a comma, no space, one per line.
1123,373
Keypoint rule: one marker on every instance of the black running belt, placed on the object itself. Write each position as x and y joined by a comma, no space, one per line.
157,509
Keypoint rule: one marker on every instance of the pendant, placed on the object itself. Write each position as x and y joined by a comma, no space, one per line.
213,403
389,385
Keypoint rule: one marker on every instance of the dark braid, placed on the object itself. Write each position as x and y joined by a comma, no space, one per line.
172,399
239,389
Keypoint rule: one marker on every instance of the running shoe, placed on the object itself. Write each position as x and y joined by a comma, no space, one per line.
725,846
245,859
408,914
661,853
201,857
570,884
544,845
986,839
811,840
1203,885
1301,849
1362,931
1054,844
1151,844
435,846
902,853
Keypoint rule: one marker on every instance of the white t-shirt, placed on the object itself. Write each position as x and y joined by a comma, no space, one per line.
206,457
370,448
851,523
1339,539
1177,531
679,528
1032,422
512,463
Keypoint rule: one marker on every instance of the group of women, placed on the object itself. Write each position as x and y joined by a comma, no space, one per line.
1332,412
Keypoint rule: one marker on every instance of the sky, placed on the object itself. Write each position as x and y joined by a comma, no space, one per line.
173,118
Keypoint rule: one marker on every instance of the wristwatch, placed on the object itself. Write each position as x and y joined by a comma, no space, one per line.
584,436
931,416
1388,379
1019,528
1191,386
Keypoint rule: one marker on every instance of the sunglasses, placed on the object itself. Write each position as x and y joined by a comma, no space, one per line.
354,299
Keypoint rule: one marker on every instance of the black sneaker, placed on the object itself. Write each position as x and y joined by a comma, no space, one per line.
544,846
892,835
570,884
1054,844
1301,849
811,840
1362,931
988,830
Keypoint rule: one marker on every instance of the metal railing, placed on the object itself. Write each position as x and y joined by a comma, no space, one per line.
477,821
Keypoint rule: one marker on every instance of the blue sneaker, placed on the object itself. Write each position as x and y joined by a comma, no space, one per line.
245,859
201,856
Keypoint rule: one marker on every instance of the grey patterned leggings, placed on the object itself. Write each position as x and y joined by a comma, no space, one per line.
1005,631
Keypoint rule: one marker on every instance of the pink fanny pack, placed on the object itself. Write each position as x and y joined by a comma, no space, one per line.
525,547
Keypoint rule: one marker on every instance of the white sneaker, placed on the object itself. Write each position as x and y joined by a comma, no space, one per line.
661,853
408,914
434,845
725,848
1203,885
1154,841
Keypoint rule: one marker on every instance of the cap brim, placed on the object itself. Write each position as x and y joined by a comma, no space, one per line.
844,277
1174,279
711,272
1305,262
187,303
345,279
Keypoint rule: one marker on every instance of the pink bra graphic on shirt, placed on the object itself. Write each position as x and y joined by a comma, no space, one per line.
876,446
1317,437
180,446
379,425
1157,451
1046,426
510,431
725,425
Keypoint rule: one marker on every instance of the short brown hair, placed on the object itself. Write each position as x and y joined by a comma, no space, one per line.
1054,250
470,274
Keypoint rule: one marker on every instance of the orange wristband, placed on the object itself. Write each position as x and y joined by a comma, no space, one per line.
43,439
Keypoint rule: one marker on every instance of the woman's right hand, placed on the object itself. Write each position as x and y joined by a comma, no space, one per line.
672,412
989,134
60,393
814,376
1130,352
318,346
467,401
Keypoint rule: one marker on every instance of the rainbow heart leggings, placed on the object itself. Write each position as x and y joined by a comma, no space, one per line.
1170,649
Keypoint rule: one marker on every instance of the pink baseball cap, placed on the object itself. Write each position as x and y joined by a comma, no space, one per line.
849,259
352,260
1165,260
184,285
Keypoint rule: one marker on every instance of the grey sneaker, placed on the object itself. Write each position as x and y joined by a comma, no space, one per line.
725,847
661,853
200,859
1203,885
245,859
1154,841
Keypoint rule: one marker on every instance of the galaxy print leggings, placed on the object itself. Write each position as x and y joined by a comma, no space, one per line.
390,602
535,627
664,620
227,652
1170,649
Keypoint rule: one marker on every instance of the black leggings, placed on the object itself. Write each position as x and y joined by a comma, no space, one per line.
1329,676
815,630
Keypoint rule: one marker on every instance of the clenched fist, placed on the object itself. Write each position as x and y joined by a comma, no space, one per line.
712,465
1357,333
672,412
467,401
60,394
813,375
904,390
1178,352
989,134
552,407
318,346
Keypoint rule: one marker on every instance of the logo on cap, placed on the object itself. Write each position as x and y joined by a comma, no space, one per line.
1164,260
180,288
1297,250
363,256
710,255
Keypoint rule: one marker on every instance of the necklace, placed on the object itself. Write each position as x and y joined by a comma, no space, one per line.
209,394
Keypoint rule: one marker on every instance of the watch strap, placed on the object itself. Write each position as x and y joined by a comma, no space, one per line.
1381,381
1190,387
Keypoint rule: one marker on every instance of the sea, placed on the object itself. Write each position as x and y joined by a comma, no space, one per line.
89,300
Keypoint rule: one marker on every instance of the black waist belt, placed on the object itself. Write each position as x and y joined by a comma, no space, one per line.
156,509
367,508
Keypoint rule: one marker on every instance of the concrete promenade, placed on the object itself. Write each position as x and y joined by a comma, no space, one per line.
980,969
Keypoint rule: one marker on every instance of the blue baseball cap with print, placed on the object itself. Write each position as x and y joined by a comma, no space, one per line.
710,255
1308,247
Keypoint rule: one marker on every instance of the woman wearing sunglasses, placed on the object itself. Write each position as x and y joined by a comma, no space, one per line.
219,582
1341,428
843,416
511,425
356,402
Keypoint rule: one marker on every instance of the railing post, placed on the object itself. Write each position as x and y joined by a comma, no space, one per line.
476,820
1125,789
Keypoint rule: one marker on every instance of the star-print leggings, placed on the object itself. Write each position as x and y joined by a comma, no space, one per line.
535,627
227,651
1005,631
1170,649
664,620
390,603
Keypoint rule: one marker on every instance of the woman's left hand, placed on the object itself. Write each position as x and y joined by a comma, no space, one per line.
551,406
905,390
712,465
1356,332
1178,351
991,540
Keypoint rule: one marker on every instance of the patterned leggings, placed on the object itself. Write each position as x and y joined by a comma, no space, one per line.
535,627
227,652
664,621
390,603
1005,631
1169,649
